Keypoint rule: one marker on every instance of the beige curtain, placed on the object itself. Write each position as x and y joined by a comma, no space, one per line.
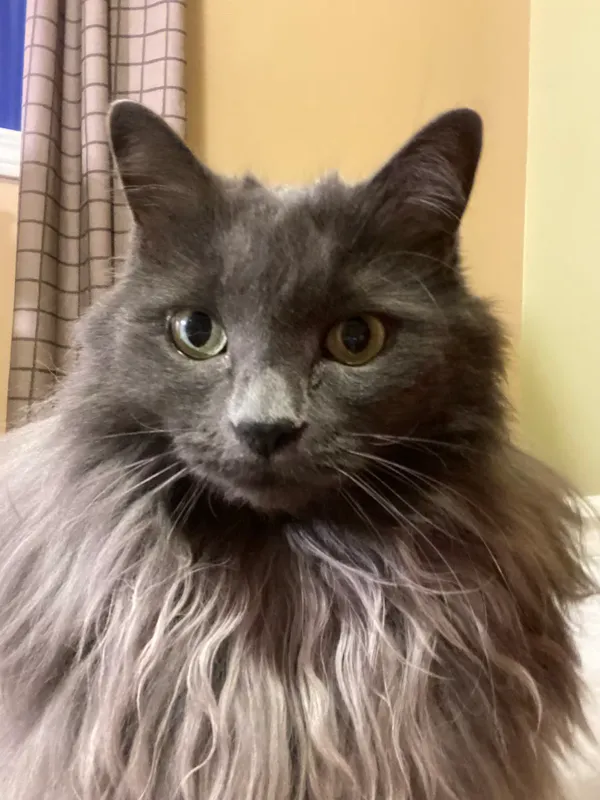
79,55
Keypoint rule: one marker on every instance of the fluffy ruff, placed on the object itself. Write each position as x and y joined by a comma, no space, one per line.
426,659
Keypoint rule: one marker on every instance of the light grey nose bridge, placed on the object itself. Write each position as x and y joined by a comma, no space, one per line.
269,396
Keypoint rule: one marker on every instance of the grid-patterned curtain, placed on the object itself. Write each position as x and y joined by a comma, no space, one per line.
73,224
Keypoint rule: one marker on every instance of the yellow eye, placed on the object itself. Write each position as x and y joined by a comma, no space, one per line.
197,335
356,341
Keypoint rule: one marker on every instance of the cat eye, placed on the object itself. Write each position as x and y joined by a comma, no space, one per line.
196,334
356,341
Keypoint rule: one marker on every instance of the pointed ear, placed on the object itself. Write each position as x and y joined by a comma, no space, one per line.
422,192
161,177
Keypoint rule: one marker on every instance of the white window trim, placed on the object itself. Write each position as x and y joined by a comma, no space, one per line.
10,153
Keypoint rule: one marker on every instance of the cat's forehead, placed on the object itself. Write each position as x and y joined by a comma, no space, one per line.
281,233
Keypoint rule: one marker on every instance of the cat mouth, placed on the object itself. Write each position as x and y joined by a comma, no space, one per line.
263,485
266,490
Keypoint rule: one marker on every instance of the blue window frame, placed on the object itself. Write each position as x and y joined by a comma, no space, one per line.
12,40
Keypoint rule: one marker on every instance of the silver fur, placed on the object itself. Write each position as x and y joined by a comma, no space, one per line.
131,669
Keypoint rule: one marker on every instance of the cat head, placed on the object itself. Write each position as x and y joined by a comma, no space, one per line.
286,342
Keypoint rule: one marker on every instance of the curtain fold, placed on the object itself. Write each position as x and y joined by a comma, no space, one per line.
73,223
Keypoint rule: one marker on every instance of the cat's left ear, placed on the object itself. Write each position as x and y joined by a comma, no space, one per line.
161,177
424,189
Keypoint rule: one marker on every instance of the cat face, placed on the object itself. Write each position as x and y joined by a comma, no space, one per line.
285,340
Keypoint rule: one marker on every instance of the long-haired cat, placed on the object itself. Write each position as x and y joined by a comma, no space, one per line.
270,539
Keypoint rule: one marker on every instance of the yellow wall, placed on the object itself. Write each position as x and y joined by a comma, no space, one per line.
561,312
8,232
290,89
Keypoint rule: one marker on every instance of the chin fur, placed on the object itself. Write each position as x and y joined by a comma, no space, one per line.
430,659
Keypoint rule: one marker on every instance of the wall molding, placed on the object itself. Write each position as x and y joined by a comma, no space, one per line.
10,153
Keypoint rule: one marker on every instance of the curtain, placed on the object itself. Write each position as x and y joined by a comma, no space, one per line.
72,221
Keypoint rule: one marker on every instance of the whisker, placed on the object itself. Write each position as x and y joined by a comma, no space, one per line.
444,489
420,533
126,434
404,521
400,470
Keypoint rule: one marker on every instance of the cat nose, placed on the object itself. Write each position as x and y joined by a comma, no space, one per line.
266,438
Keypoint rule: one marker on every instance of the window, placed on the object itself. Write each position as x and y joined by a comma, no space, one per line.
12,38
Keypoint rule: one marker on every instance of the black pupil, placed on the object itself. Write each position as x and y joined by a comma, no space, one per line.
198,329
356,335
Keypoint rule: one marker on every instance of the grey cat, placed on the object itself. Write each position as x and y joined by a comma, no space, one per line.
270,539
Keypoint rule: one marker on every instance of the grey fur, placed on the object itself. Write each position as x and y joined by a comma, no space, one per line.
377,612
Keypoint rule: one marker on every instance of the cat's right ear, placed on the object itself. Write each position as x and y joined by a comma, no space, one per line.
422,192
161,177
